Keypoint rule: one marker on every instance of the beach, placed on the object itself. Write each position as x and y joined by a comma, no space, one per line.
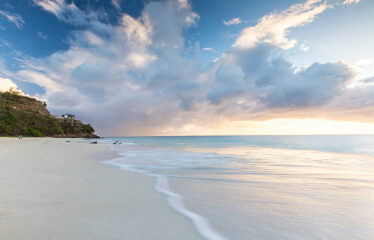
54,189
262,187
217,187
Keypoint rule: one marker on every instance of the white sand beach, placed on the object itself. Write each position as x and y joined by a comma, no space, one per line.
51,189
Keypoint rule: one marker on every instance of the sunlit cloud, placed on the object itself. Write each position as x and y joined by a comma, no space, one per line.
232,21
139,74
279,126
274,28
347,2
8,85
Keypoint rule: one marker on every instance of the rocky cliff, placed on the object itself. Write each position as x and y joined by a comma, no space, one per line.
30,117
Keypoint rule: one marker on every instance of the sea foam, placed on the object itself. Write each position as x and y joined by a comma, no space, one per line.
175,200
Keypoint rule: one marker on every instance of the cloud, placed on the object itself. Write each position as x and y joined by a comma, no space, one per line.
134,77
71,14
42,35
184,3
369,80
274,28
364,62
232,21
7,85
258,76
347,2
117,4
14,18
229,82
134,73
208,49
304,48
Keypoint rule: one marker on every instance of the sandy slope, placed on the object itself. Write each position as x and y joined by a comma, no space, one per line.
51,189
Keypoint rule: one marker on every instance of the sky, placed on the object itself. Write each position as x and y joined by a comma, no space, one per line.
200,67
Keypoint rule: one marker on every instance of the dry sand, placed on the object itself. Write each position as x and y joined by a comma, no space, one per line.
54,190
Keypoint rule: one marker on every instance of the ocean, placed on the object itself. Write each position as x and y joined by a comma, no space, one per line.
261,187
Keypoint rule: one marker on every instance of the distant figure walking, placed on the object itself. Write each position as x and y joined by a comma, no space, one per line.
20,137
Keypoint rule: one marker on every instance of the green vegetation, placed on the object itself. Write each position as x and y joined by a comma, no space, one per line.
69,129
29,117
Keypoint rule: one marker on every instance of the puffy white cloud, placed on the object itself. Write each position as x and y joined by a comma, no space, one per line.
134,78
183,3
137,30
14,18
258,76
232,21
7,85
273,28
134,73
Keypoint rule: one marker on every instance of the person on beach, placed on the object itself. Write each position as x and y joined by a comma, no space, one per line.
20,137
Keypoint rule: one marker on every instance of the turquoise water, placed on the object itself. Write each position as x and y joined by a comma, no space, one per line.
262,187
343,143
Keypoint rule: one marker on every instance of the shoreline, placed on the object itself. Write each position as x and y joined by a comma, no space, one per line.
175,200
52,189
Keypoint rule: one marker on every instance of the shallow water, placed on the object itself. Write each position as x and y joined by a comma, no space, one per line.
263,187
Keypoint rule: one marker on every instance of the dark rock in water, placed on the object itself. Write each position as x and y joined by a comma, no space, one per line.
95,142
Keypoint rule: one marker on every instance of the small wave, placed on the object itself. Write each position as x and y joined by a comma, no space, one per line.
175,200
114,162
128,143
113,141
156,158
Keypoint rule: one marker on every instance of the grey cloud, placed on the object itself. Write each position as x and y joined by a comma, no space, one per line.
271,80
369,80
65,100
229,82
119,80
135,78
